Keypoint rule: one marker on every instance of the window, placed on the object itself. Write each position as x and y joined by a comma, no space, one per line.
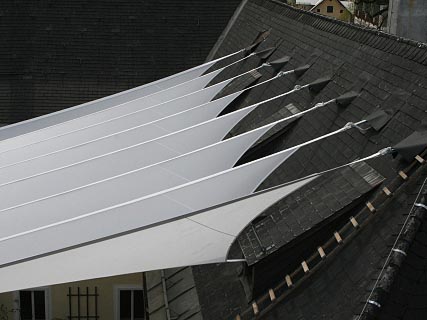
130,304
318,10
341,11
83,303
33,305
330,9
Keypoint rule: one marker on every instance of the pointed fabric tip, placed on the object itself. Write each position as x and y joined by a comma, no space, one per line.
266,53
258,40
345,99
278,64
301,70
262,36
412,145
319,84
378,119
250,49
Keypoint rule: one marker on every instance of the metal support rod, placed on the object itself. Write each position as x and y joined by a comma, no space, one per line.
78,303
165,295
87,302
70,304
145,295
96,302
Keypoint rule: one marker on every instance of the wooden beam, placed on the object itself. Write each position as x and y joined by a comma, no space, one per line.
420,159
255,308
337,237
387,191
354,222
272,294
305,267
321,252
403,175
371,207
288,280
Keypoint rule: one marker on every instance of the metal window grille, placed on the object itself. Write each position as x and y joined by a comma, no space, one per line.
83,305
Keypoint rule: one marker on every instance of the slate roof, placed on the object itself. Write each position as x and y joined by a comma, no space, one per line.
57,54
390,73
177,287
305,208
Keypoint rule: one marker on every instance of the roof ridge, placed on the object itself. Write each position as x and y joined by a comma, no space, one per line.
389,36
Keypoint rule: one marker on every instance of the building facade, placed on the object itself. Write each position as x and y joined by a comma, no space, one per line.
334,9
408,19
113,298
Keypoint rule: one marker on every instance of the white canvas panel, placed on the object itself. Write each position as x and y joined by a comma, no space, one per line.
51,119
226,220
67,230
123,157
177,243
126,138
27,197
108,121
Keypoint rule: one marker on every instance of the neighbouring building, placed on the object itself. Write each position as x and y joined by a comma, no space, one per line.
305,4
408,19
371,14
113,298
334,9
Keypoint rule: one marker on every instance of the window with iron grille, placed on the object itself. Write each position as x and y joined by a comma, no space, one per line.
83,303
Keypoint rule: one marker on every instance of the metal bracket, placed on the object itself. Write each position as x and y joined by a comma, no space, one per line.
399,251
420,205
358,127
374,303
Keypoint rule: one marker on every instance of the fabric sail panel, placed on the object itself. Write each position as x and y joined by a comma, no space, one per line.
99,124
123,126
122,159
51,119
174,203
27,197
210,233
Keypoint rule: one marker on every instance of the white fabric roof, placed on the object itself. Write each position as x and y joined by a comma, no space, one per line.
69,227
120,154
31,125
127,125
38,192
129,185
127,130
109,121
203,237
